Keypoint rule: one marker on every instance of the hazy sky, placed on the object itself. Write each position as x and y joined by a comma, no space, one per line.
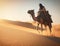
17,10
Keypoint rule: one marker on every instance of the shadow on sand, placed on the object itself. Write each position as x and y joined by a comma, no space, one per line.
23,24
53,38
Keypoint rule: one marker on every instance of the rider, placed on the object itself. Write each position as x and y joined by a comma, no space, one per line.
42,12
42,8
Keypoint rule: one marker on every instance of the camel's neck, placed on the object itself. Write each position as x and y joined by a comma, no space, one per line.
34,18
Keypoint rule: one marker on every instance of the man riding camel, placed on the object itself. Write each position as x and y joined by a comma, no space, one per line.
42,13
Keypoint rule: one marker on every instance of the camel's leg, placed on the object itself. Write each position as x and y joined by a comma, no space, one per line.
37,26
50,29
41,24
41,27
50,26
45,27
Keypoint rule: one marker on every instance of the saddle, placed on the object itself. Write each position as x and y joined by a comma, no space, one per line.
45,16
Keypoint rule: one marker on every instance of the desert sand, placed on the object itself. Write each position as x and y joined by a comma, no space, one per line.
16,33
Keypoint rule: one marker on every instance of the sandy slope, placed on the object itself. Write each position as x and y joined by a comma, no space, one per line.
13,33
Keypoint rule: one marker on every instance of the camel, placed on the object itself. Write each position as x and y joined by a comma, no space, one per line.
40,21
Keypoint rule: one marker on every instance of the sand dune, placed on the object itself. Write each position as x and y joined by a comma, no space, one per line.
15,33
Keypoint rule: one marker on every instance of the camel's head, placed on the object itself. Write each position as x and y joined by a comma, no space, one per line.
31,12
